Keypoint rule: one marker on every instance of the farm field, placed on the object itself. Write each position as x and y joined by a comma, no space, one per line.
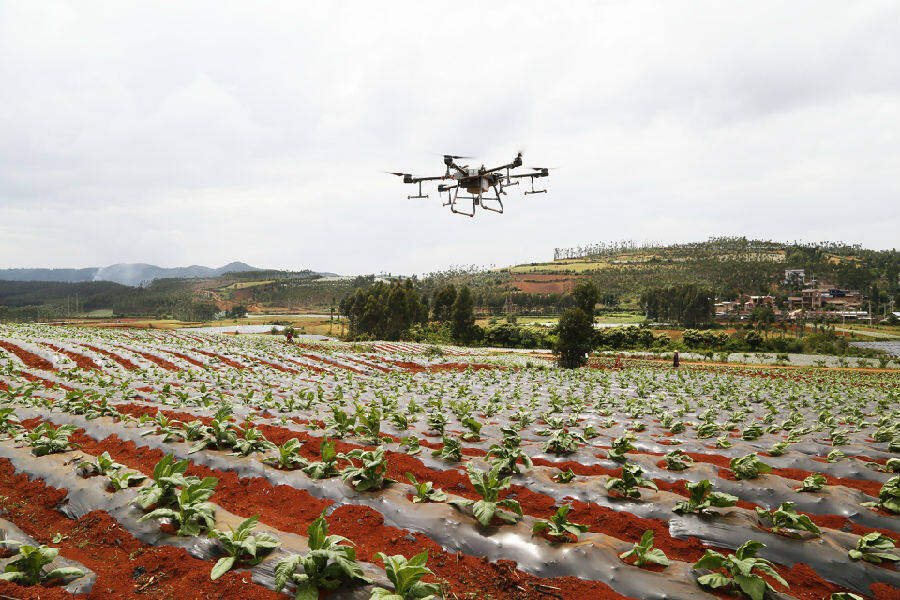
124,449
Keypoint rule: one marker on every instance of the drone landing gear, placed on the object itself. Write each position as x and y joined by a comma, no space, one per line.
456,197
497,200
534,191
420,193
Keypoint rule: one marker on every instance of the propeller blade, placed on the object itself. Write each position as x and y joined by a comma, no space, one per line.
395,173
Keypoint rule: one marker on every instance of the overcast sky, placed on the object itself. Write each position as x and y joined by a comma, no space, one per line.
180,133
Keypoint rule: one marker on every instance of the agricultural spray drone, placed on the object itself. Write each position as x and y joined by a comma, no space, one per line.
477,182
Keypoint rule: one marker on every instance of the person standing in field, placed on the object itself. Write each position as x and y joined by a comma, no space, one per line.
675,360
289,335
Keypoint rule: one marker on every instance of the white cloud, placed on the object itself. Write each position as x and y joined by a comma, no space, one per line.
209,132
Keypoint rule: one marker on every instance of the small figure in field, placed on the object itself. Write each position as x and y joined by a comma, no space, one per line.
289,335
675,360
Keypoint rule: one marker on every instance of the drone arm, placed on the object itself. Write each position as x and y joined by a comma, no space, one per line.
517,162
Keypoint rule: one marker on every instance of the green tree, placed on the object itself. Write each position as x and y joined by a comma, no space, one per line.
463,317
442,304
585,294
383,311
574,336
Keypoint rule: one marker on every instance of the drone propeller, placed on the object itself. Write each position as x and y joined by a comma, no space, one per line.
454,157
395,173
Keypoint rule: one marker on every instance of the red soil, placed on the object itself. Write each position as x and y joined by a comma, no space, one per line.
224,359
154,359
365,526
81,360
125,567
119,359
30,359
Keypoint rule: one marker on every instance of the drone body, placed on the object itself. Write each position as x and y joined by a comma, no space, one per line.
477,183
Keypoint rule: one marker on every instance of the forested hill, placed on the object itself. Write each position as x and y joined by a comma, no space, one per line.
728,266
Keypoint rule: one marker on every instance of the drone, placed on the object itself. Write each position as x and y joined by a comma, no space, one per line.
477,183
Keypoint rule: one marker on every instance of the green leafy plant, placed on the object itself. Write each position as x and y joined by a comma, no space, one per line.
167,476
251,441
193,514
778,448
489,485
563,441
628,483
723,442
329,562
507,458
748,467
406,576
474,430
450,450
122,479
369,423
425,491
619,447
835,455
888,496
410,445
564,476
28,568
740,570
676,460
288,456
702,497
559,526
241,544
339,422
645,553
102,465
785,519
871,548
812,483
327,467
369,475
46,439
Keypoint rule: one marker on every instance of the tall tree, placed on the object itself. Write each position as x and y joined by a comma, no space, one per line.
574,337
585,294
442,305
462,326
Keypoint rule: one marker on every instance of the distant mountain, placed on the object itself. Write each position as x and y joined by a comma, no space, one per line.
135,273
126,274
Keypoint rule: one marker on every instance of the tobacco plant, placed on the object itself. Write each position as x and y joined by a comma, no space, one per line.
785,519
241,544
46,439
369,475
740,570
645,553
559,526
327,467
193,513
406,576
330,562
748,467
28,568
677,460
702,497
871,548
628,483
888,496
288,456
812,483
167,476
489,485
425,491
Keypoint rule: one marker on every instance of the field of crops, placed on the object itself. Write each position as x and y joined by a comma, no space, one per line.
170,464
